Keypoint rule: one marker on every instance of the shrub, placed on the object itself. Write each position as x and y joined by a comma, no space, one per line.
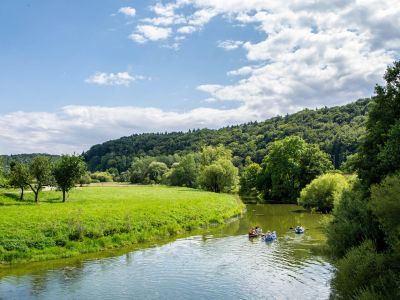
323,193
352,222
101,176
385,205
365,274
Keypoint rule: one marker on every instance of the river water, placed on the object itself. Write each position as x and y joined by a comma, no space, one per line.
221,263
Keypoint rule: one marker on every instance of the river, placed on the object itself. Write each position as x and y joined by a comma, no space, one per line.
220,263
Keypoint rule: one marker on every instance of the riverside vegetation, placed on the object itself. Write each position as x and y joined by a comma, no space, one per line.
363,231
97,218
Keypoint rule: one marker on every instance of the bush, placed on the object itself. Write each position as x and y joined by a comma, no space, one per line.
352,222
365,274
356,269
323,193
101,177
385,205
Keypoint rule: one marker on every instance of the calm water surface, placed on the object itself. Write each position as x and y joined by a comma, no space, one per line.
220,264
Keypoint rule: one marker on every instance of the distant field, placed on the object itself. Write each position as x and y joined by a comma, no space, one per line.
97,218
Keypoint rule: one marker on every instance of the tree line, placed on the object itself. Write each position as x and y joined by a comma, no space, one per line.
64,173
338,131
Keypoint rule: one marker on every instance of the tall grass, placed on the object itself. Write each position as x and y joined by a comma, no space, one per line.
97,218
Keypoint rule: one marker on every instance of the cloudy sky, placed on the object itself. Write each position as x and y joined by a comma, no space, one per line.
76,73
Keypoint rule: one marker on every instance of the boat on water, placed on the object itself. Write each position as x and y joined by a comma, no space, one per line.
270,237
299,229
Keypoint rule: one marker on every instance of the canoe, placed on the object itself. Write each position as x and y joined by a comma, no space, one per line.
270,237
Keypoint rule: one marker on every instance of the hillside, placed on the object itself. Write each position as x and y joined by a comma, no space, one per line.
337,130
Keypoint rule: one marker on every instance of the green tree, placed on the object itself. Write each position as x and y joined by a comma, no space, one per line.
220,176
156,171
40,171
211,154
139,169
323,193
291,163
184,173
248,179
19,176
380,155
67,171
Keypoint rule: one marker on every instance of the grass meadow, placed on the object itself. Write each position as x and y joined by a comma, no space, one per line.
99,218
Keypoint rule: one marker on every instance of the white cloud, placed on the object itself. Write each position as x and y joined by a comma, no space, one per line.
76,128
308,53
127,11
186,29
148,32
313,53
229,44
120,78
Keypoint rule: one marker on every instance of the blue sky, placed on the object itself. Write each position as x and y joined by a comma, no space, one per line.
76,73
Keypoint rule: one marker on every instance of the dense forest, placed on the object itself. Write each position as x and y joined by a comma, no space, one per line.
337,131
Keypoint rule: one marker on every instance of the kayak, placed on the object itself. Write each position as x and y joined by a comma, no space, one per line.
269,238
299,230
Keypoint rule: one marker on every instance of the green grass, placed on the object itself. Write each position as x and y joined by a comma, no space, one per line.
99,218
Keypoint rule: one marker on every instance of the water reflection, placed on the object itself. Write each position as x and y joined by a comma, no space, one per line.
221,263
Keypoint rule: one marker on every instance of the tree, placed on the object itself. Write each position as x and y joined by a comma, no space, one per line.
3,181
139,169
323,193
156,171
211,154
184,173
67,171
40,171
19,176
291,163
380,154
248,179
220,176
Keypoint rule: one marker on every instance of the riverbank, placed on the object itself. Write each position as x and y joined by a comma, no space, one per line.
100,218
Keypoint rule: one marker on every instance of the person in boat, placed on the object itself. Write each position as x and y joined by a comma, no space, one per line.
252,231
268,234
258,230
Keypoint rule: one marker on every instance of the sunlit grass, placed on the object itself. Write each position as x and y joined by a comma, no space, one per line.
97,218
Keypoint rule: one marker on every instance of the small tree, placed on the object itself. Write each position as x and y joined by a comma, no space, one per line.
67,172
40,171
19,176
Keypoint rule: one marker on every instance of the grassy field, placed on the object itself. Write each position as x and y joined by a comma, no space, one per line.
99,218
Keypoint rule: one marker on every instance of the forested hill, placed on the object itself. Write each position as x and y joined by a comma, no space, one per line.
337,130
